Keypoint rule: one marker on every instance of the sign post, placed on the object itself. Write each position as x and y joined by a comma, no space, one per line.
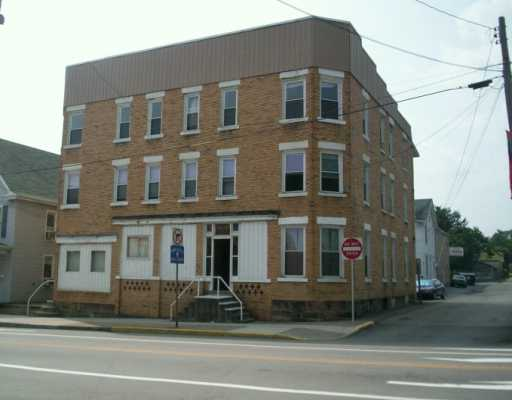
352,249
177,257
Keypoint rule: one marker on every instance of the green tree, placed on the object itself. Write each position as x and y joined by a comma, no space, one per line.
501,243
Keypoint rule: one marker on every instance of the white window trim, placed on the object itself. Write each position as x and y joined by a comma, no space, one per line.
74,169
155,95
73,111
327,75
228,84
146,182
45,222
150,103
124,100
115,202
340,173
302,192
333,221
184,162
189,92
366,163
341,271
80,107
120,106
293,74
292,278
366,114
368,228
221,175
153,159
284,82
228,152
225,89
293,221
322,145
303,144
407,265
121,162
192,155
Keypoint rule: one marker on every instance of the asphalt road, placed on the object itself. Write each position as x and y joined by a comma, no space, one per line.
45,364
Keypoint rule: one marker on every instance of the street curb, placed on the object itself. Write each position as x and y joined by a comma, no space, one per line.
360,327
155,330
202,332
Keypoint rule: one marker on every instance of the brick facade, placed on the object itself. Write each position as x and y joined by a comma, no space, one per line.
258,184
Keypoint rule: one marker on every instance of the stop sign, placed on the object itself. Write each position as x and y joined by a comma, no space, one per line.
352,248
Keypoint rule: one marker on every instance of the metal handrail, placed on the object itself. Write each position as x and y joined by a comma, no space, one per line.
198,280
219,279
44,283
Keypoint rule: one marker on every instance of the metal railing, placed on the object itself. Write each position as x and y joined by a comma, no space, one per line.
219,280
201,279
44,283
198,280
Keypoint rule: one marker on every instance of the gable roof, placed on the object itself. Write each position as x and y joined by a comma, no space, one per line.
40,179
422,208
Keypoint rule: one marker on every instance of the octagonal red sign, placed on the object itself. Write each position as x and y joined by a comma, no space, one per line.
352,248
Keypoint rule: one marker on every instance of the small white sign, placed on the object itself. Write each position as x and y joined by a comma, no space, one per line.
456,251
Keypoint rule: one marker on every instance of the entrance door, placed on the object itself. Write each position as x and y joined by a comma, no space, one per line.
221,260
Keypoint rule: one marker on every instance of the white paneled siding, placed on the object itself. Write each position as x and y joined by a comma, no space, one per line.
138,267
186,271
84,279
252,266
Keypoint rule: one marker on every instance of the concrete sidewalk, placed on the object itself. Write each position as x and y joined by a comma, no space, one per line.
310,331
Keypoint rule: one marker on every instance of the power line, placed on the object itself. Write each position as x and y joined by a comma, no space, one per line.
396,48
468,137
453,15
270,125
482,136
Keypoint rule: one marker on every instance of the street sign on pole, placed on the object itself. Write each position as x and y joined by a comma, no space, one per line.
177,236
177,257
352,249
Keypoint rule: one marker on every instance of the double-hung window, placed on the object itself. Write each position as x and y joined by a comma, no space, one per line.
71,186
138,247
382,131
192,99
330,172
98,260
405,203
75,125
293,171
227,176
229,101
367,237
124,116
331,95
330,257
294,95
393,257
293,251
384,256
391,144
406,259
121,184
154,117
366,180
189,181
391,194
383,196
152,181
4,212
366,115
49,229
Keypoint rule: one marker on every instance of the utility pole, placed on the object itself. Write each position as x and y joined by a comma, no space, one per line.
506,68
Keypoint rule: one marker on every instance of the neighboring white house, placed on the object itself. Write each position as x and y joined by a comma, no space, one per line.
431,256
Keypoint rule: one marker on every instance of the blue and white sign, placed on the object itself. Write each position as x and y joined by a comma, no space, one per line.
177,254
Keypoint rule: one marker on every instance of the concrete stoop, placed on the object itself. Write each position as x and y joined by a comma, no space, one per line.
213,308
46,309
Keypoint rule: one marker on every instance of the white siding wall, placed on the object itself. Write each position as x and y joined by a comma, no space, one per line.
186,271
85,280
253,252
426,252
137,268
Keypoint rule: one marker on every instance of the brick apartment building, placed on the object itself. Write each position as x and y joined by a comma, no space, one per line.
266,147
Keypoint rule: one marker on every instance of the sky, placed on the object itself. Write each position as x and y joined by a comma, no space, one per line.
463,166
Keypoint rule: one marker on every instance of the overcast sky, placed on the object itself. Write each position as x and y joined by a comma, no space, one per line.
40,38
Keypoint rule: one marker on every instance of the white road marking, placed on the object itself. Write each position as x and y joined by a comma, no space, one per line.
493,349
210,384
418,351
480,360
505,386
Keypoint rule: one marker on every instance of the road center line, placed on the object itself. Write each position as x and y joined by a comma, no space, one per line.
210,384
504,386
418,351
482,360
